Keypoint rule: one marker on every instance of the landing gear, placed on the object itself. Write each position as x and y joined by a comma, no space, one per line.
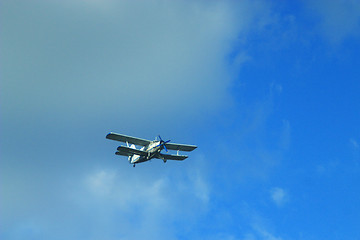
134,165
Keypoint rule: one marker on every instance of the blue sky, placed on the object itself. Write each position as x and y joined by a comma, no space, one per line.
268,90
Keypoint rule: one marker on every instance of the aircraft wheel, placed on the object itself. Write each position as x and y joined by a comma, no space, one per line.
134,165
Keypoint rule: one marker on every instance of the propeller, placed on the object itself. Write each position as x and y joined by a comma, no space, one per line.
162,142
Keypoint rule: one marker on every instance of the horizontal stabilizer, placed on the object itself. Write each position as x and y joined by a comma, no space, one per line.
131,151
123,153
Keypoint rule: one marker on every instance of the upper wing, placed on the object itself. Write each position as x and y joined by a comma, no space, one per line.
180,147
172,157
129,139
130,151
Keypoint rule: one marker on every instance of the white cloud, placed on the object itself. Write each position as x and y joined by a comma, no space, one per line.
101,183
129,203
125,62
279,196
151,200
118,189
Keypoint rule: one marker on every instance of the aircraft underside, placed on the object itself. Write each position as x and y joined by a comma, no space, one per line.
148,149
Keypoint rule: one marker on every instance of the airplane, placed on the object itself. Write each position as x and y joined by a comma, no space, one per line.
149,149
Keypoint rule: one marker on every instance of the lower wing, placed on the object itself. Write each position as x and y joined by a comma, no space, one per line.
180,147
172,157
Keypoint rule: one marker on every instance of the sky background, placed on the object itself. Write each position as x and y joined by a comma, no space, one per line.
269,91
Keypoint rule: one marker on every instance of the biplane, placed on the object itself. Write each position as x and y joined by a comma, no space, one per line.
148,149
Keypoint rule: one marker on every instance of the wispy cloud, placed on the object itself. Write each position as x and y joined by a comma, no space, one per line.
356,150
279,196
265,235
339,19
261,229
286,135
354,144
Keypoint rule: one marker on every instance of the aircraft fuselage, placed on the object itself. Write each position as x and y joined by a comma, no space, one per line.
153,149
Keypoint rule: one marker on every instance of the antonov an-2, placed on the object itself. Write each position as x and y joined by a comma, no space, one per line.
148,149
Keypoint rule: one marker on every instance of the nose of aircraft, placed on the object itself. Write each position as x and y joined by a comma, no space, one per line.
162,142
